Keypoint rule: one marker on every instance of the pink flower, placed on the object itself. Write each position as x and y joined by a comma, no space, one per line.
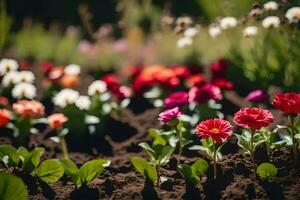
204,93
57,120
257,96
177,99
169,115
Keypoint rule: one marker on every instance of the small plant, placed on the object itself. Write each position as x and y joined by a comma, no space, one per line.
159,156
48,171
12,188
56,122
289,103
266,171
170,117
253,119
193,173
214,133
86,173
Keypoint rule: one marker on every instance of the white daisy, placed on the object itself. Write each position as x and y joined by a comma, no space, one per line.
97,87
271,21
24,90
250,31
26,76
65,97
228,22
8,65
191,32
214,31
83,102
271,5
72,69
184,42
10,78
293,14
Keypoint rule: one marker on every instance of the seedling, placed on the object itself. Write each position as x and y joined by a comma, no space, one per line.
266,171
193,173
48,171
250,141
159,156
86,173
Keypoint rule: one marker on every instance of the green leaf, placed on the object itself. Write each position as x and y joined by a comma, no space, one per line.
144,168
12,154
158,139
91,169
33,159
71,170
200,167
12,188
149,150
266,171
187,172
23,153
50,171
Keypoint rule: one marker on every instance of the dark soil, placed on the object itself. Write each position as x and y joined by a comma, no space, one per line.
236,177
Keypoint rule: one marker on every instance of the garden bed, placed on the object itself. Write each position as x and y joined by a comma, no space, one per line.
236,179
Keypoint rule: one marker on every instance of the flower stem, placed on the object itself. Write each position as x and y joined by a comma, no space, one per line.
252,148
180,146
294,140
214,160
64,147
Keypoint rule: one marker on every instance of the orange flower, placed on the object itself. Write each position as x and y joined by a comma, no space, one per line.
4,101
4,117
28,109
69,81
57,120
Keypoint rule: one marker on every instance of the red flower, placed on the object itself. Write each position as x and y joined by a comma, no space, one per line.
287,102
253,118
57,120
169,115
4,117
222,83
181,71
196,80
204,93
177,99
219,68
46,67
112,81
27,109
218,129
4,101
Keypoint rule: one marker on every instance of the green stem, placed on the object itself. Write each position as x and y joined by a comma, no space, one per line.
214,160
180,146
294,140
64,147
252,147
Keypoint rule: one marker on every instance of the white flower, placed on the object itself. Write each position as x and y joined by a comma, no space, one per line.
214,31
250,31
228,22
190,32
271,21
26,76
83,102
97,87
24,90
10,78
184,42
72,69
65,97
293,14
8,65
271,5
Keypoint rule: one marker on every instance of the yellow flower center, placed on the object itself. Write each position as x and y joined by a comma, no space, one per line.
215,130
